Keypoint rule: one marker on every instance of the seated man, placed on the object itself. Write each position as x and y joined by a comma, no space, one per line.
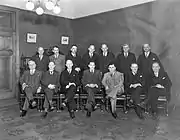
69,81
30,82
50,85
135,83
160,84
91,81
113,83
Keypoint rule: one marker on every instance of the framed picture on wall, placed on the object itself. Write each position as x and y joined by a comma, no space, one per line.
31,37
65,40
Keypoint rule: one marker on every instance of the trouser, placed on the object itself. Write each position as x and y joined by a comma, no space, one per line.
113,104
91,99
135,96
70,93
154,94
48,97
29,91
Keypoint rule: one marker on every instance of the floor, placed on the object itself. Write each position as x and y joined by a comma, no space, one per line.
101,126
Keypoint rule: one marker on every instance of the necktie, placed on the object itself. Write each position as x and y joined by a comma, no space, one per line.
156,74
146,54
31,72
91,55
126,54
40,57
69,71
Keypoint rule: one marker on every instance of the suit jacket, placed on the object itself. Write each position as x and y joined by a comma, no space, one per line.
104,61
47,79
145,64
86,59
134,79
32,81
41,65
113,81
162,79
67,78
59,62
123,63
77,61
91,78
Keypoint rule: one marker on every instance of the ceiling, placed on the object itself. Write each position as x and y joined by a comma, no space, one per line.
80,8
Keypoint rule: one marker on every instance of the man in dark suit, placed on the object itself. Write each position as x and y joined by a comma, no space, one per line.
90,56
75,58
160,84
50,85
69,82
105,57
145,61
124,60
30,82
91,81
135,83
41,60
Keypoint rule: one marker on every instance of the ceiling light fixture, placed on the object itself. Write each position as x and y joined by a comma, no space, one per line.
40,6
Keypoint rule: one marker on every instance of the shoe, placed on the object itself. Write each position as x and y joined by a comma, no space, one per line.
114,115
44,115
23,113
88,114
139,113
72,114
51,109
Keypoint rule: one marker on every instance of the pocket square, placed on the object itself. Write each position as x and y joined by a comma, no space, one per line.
153,59
140,76
163,77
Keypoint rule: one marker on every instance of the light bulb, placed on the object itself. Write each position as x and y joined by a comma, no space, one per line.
57,10
30,5
39,11
49,5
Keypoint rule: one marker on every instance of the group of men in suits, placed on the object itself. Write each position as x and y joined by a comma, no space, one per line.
123,74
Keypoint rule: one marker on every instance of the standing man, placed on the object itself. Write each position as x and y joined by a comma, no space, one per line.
41,60
135,83
75,58
105,57
91,81
90,56
113,83
50,85
58,59
160,85
145,61
69,82
124,61
30,82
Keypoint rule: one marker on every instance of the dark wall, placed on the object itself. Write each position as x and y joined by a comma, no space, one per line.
49,30
114,28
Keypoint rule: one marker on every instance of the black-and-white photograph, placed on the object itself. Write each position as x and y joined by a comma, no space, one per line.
89,70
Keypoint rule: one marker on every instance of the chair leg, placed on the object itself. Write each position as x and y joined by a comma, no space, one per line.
166,109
